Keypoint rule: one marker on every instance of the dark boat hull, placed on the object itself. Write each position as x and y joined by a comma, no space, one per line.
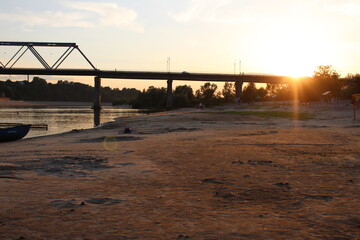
14,133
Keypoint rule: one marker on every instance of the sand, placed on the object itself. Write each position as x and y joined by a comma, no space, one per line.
188,174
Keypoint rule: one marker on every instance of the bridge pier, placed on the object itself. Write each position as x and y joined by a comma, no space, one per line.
238,91
169,95
97,96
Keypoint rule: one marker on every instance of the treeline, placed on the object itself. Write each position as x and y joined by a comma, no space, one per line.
208,94
40,90
326,83
325,80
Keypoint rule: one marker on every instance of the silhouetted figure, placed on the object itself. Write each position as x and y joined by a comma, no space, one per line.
201,106
127,130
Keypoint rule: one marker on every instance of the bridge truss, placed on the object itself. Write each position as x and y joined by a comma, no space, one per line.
30,46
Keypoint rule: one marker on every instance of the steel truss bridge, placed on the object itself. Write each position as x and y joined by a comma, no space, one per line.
8,68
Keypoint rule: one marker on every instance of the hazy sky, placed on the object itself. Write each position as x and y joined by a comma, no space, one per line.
284,37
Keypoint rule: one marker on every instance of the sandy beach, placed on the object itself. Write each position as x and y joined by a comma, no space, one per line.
189,174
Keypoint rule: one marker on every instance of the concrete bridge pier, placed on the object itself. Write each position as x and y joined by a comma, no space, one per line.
238,91
169,95
97,101
97,96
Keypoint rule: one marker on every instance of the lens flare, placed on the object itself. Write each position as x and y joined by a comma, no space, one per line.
110,143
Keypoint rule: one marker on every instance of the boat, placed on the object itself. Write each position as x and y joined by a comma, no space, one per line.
14,133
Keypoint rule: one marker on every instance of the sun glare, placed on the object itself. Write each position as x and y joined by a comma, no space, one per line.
293,52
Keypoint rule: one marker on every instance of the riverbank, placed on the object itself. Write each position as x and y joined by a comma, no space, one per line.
18,104
222,173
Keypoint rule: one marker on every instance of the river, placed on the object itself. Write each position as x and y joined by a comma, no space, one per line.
62,118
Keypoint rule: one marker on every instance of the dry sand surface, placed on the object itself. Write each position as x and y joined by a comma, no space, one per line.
188,175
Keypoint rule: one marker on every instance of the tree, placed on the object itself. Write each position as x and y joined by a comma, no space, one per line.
356,82
40,90
279,92
151,98
186,91
228,92
327,79
39,81
261,94
206,92
183,96
351,86
249,93
272,89
7,91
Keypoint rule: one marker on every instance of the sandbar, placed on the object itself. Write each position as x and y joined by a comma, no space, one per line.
189,174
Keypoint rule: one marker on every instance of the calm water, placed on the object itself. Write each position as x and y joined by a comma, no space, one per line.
62,118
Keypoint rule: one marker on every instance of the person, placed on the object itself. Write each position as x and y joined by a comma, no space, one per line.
127,130
201,106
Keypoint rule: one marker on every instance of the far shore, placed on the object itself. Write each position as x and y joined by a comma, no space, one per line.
222,173
13,103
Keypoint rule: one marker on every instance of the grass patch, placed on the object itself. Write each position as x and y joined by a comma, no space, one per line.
267,114
249,107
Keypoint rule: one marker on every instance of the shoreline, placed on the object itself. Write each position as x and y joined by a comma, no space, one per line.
15,103
188,174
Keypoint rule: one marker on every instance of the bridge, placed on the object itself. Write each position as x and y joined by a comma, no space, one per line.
7,68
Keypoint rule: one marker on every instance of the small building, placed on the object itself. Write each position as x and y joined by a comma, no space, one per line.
327,97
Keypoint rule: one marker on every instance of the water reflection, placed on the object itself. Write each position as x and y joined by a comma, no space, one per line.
63,118
97,113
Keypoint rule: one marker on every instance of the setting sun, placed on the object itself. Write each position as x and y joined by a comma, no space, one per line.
294,51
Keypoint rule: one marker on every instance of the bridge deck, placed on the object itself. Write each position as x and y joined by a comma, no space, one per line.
142,75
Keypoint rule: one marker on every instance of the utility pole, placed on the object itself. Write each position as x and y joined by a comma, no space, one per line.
168,64
235,69
240,67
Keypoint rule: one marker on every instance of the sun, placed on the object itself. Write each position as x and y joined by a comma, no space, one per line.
293,52
294,56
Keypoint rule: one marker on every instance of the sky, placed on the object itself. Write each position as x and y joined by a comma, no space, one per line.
282,37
